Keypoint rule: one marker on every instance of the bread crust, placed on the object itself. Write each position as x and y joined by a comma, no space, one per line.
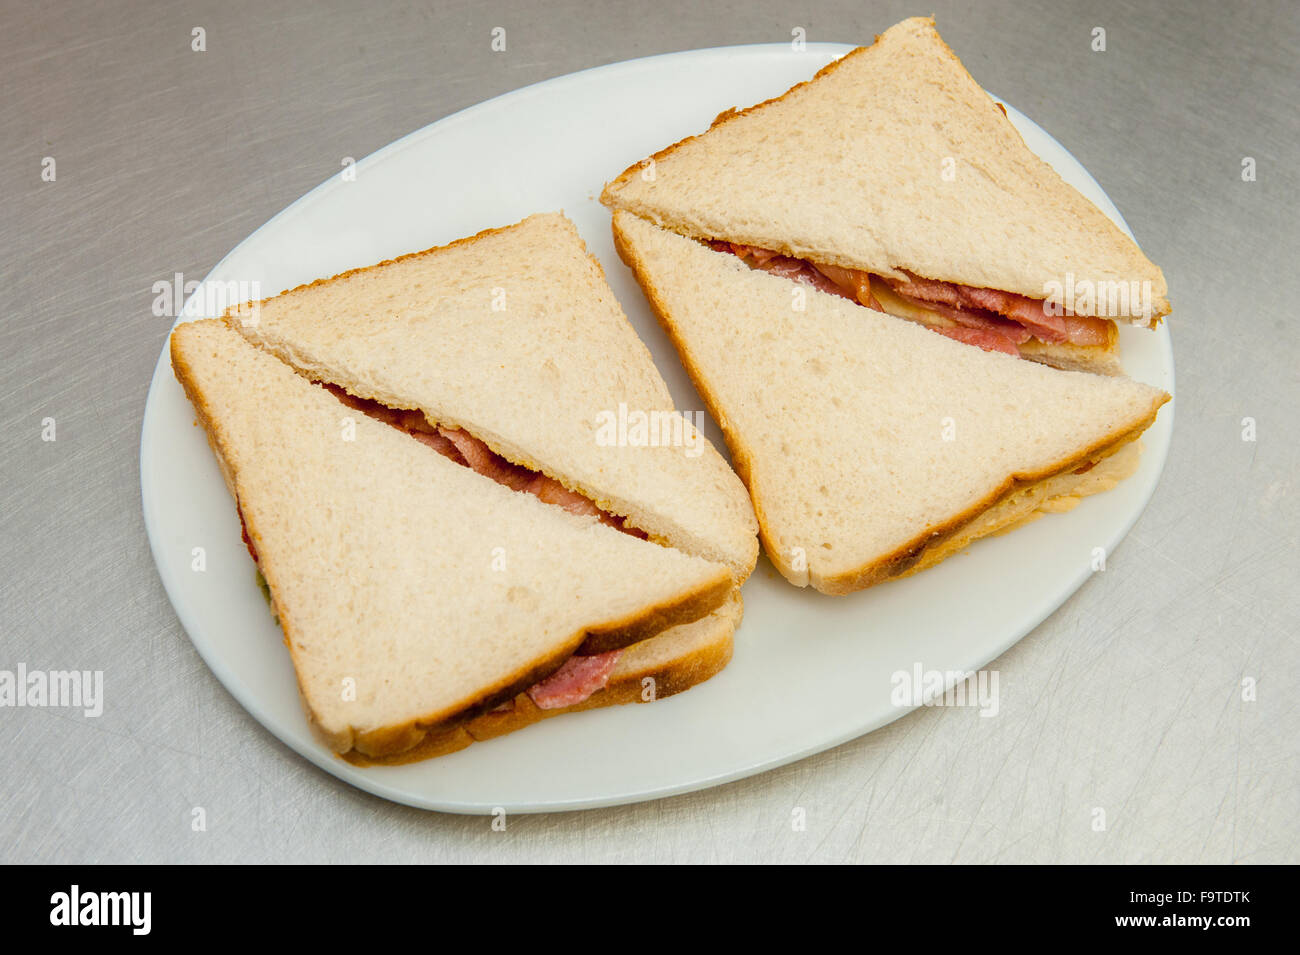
233,314
607,194
903,558
397,738
672,677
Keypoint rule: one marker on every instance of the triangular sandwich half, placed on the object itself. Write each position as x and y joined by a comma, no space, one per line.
511,344
892,179
416,595
871,447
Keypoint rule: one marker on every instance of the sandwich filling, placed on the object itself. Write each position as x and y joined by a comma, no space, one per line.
572,683
987,318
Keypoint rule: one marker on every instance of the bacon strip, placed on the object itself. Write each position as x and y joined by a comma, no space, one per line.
978,318
440,443
854,283
980,337
574,682
1028,312
987,312
1087,330
804,272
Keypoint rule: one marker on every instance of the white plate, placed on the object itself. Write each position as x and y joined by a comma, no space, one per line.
809,671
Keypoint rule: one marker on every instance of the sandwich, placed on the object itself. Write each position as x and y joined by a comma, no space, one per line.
893,180
451,550
871,447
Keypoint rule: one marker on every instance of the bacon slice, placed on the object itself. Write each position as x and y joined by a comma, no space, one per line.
788,267
752,251
1014,332
553,492
804,272
486,462
243,532
855,284
574,682
980,337
1087,330
1031,313
1017,317
440,443
1027,312
926,290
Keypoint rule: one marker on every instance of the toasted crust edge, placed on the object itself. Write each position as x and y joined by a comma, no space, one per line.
232,313
900,560
675,676
609,192
396,738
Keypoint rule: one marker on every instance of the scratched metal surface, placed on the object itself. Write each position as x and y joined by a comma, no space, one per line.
1128,698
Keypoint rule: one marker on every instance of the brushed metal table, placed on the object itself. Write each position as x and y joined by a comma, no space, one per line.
1162,694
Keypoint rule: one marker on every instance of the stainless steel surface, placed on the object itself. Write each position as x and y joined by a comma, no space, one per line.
1128,699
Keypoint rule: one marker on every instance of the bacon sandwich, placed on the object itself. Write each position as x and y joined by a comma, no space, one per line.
451,546
893,180
871,447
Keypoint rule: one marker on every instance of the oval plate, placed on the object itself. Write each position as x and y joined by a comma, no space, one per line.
809,671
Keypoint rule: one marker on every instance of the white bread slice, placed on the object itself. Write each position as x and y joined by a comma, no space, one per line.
848,169
514,336
420,589
663,666
836,416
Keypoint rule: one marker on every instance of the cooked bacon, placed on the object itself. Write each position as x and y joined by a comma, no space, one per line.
1087,330
440,443
926,290
760,256
574,682
855,284
977,318
1016,317
553,492
243,532
980,337
486,462
1032,313
787,267
783,266
803,272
